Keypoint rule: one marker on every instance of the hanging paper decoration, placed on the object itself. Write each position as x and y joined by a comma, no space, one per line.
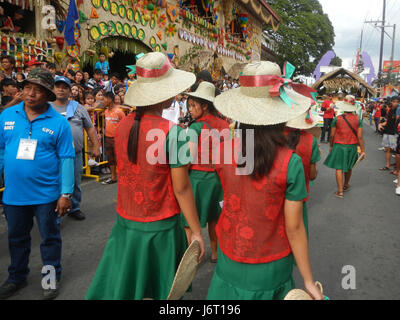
162,21
94,14
60,42
165,46
243,20
82,17
73,51
159,34
153,42
170,30
60,25
172,12
58,56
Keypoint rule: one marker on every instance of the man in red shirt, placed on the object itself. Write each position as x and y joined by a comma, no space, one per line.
329,114
377,116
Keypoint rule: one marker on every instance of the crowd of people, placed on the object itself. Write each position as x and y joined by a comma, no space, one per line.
237,159
384,113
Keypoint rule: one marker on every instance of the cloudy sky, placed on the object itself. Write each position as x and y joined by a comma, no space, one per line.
348,16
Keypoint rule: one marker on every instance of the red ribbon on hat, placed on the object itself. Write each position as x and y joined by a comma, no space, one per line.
276,82
153,73
351,101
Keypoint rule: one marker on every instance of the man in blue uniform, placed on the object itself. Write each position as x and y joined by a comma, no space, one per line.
37,156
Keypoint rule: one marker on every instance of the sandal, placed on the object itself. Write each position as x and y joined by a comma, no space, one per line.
339,194
346,188
394,172
384,169
109,181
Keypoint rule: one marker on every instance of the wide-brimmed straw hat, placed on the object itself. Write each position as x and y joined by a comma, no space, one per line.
157,81
264,96
186,271
205,91
298,294
348,104
307,120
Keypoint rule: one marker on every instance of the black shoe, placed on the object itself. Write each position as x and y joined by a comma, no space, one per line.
8,289
77,215
49,294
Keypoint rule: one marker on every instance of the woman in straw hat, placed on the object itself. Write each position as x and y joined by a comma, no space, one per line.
306,146
346,134
148,239
203,178
261,226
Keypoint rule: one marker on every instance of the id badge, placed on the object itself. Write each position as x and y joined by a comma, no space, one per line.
27,149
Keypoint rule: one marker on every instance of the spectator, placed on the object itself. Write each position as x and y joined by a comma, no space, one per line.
38,165
114,81
86,77
70,74
20,80
174,112
377,116
79,120
7,65
96,81
329,113
9,89
388,127
52,68
113,115
79,79
77,93
102,64
98,94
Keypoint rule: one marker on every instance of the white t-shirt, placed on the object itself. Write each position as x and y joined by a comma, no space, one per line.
172,113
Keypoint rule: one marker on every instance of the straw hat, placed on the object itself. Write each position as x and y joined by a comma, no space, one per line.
348,104
307,120
205,91
157,81
298,294
252,103
186,271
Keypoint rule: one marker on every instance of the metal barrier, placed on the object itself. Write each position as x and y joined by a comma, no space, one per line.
98,121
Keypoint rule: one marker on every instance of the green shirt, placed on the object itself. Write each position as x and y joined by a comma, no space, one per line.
177,148
295,180
315,155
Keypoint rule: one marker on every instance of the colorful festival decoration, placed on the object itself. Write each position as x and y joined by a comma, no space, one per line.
243,20
173,12
170,30
93,14
162,21
49,18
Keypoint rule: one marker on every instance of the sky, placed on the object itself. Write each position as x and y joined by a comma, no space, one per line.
348,17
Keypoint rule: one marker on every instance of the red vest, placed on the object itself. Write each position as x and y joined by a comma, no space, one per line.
344,135
145,191
304,151
211,140
251,228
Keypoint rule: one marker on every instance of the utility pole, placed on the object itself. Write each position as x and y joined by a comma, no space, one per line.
382,39
392,55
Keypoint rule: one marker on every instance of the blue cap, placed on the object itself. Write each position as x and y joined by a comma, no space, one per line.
62,79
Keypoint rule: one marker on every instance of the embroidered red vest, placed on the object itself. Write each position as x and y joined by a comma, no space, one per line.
251,228
344,135
210,139
145,192
304,151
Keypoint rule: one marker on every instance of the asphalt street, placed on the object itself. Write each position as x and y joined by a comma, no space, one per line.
360,231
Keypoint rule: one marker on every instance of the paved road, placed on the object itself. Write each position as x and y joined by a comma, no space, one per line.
360,230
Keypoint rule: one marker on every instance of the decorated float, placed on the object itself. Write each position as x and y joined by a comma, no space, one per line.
218,35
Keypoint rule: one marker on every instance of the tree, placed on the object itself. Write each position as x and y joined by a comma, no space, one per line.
305,33
337,62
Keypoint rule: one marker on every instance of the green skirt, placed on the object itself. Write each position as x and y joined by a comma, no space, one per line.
243,281
342,157
207,191
139,261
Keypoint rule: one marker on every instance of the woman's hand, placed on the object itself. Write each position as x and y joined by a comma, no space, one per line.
314,291
199,238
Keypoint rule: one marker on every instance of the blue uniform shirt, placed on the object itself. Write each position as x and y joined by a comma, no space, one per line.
103,66
30,182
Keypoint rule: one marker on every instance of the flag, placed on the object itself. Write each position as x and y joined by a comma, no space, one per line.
72,18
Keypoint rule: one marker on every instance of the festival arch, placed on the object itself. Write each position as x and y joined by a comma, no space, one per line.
120,52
